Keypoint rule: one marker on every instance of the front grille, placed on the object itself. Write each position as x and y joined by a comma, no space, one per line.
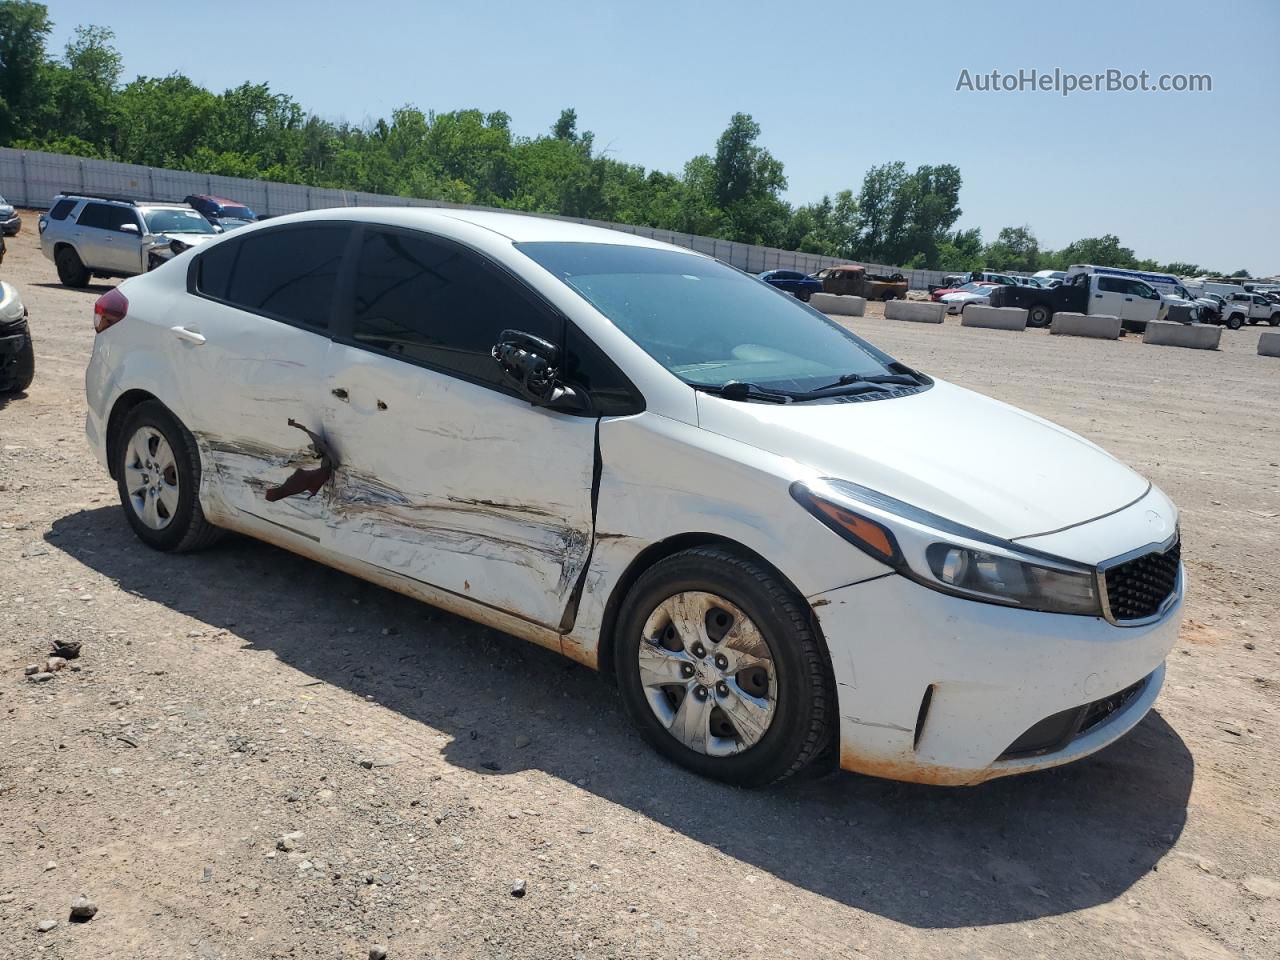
1057,730
1138,588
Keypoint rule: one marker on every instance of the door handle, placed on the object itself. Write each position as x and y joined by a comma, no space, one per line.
1128,299
340,392
191,336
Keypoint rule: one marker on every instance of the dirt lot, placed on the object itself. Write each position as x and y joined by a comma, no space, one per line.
226,699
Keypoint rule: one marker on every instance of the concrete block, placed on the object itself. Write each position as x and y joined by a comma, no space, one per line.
919,311
1269,345
993,318
839,304
1197,336
1100,326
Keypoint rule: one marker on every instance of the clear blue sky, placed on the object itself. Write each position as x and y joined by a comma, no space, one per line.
837,87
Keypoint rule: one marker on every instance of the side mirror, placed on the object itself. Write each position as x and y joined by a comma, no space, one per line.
128,228
532,365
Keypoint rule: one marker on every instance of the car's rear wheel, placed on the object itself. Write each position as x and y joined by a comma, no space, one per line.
71,269
803,295
157,467
1039,316
721,668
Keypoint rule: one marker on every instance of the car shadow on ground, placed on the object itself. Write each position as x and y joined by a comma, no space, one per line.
1043,844
94,287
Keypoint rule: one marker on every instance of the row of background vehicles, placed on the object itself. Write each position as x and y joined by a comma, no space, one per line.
92,236
1135,296
849,279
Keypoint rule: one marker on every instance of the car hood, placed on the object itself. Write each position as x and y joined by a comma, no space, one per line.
947,450
190,239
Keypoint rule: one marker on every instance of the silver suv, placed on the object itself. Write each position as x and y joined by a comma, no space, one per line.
108,237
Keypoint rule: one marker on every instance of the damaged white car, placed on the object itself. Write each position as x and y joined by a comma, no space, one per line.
789,548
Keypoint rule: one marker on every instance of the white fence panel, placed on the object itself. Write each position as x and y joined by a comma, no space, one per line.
32,179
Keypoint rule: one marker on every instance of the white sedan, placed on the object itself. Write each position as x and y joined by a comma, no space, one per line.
979,293
788,547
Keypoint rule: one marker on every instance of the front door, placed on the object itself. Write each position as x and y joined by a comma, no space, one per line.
446,477
255,337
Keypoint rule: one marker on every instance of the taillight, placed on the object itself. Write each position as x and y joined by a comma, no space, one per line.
109,310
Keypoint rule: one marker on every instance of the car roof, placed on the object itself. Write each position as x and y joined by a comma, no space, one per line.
221,201
518,228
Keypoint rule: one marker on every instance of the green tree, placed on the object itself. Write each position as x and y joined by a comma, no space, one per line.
24,74
962,250
903,218
1015,248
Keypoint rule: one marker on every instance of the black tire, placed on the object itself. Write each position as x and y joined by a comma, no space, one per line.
71,270
1275,320
1234,322
804,721
803,295
1039,316
23,370
187,530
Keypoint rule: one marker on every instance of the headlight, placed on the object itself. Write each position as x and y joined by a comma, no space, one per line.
947,556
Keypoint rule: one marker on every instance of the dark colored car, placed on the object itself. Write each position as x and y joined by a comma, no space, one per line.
10,222
227,214
17,357
794,282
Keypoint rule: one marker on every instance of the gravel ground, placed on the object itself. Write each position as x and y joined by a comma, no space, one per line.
255,756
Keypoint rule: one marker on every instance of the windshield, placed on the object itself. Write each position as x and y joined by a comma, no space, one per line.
240,213
172,220
706,322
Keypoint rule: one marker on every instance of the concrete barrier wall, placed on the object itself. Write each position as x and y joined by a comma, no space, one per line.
1269,345
839,304
1100,326
993,318
918,311
1197,336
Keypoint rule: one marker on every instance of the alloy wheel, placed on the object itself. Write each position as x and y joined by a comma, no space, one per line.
151,477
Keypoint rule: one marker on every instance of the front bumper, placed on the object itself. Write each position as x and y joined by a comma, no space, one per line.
990,673
11,225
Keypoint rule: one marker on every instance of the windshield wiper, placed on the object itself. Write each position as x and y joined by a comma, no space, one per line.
738,390
876,379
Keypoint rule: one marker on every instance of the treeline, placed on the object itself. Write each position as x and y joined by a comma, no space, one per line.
77,103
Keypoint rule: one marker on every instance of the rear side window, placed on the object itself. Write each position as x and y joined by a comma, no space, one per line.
61,209
213,269
289,274
1113,285
433,302
94,215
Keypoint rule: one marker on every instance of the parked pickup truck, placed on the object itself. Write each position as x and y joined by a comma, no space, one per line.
852,278
1135,302
1242,308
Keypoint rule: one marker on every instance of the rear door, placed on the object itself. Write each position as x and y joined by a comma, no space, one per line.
253,332
448,477
1142,303
1109,296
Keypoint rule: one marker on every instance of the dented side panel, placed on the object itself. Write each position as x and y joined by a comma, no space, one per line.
454,484
241,387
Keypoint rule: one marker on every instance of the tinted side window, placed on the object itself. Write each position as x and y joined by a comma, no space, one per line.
61,209
1113,285
213,268
587,366
116,217
290,274
429,301
93,215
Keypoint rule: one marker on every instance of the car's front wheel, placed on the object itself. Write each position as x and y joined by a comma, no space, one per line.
721,668
1234,322
157,467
